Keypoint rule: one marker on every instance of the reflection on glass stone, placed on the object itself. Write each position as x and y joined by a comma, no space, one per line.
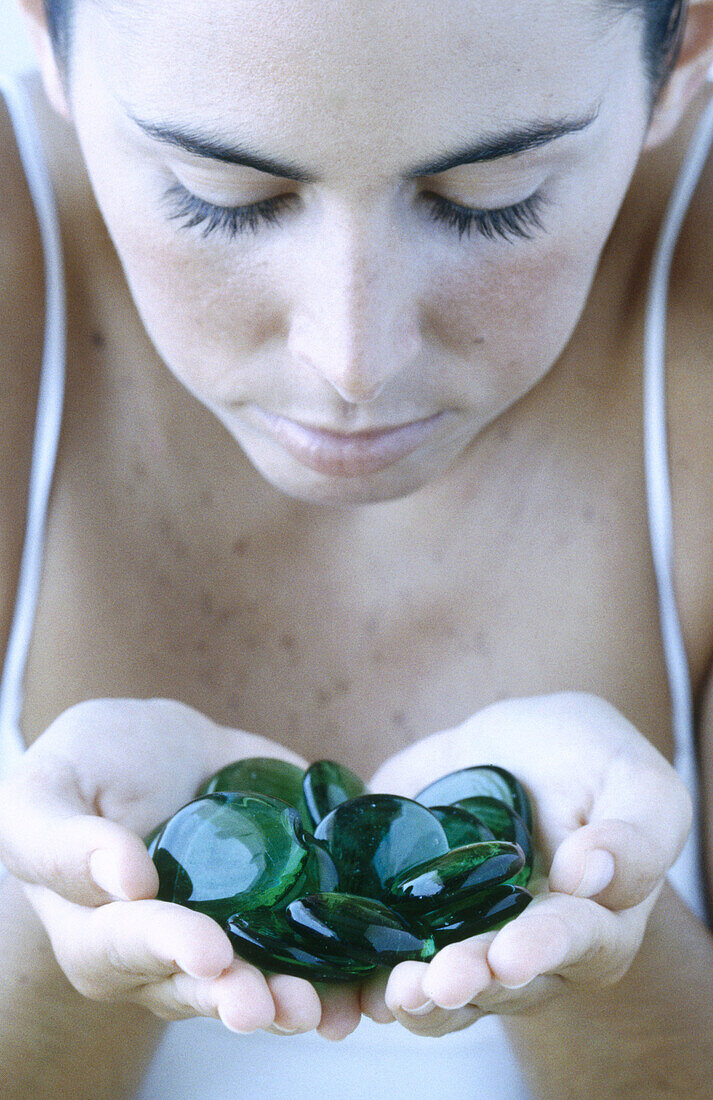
485,779
377,836
456,875
265,939
482,913
228,853
360,927
507,825
326,785
461,827
261,775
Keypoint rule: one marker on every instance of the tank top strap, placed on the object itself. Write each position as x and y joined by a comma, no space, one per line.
48,418
687,874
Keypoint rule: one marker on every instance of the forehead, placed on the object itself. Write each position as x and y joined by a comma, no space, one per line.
335,70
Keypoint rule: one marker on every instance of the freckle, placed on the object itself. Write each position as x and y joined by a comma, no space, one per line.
322,698
225,616
288,643
342,686
139,471
398,718
206,498
165,527
205,602
98,339
239,547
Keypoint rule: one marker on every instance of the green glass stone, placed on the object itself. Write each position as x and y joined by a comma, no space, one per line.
440,883
360,927
484,779
229,853
375,837
264,938
506,824
461,827
485,912
326,785
320,873
261,775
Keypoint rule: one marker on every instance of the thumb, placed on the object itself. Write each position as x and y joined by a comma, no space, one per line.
616,862
52,841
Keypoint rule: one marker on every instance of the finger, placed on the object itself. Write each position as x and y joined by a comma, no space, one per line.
404,989
372,999
571,937
460,973
48,838
297,1004
439,1021
617,862
240,998
108,951
340,1011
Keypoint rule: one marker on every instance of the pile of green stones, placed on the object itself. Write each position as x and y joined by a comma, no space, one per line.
311,874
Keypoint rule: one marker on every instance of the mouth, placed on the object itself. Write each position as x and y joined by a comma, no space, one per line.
348,454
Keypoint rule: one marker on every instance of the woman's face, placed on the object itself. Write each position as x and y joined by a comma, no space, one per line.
367,287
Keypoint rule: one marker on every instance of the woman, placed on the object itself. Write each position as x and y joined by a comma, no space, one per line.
352,460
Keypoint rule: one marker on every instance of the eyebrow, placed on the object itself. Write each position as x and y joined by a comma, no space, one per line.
493,146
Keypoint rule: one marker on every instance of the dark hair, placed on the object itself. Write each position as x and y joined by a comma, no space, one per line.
663,27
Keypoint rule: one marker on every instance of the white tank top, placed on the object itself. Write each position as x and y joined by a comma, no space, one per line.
199,1059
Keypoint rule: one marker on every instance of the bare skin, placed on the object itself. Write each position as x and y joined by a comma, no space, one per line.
267,611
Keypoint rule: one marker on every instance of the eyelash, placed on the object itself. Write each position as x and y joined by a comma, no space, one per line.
521,220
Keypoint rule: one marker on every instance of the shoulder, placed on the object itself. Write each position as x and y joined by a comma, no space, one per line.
689,391
21,337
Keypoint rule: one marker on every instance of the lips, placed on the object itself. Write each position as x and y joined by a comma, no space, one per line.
348,454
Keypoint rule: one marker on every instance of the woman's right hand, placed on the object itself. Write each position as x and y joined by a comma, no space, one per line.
72,814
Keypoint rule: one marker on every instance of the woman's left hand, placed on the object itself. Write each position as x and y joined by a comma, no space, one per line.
611,816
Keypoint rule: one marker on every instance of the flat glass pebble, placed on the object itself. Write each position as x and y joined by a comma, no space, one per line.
375,837
261,775
440,883
507,825
326,785
265,939
461,827
228,852
482,913
484,779
320,872
360,927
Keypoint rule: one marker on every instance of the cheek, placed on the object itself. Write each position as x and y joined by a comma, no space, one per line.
519,308
203,315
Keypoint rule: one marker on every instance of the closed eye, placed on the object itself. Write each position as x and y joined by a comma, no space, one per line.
520,220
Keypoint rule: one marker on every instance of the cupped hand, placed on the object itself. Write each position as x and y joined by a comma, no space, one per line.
611,816
72,815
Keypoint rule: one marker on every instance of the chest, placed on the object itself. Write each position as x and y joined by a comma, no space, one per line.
343,633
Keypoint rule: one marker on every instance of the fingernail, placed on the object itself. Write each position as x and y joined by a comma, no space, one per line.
599,868
520,985
102,867
285,1030
421,1010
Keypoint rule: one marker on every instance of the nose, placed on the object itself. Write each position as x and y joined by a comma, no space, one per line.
356,320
